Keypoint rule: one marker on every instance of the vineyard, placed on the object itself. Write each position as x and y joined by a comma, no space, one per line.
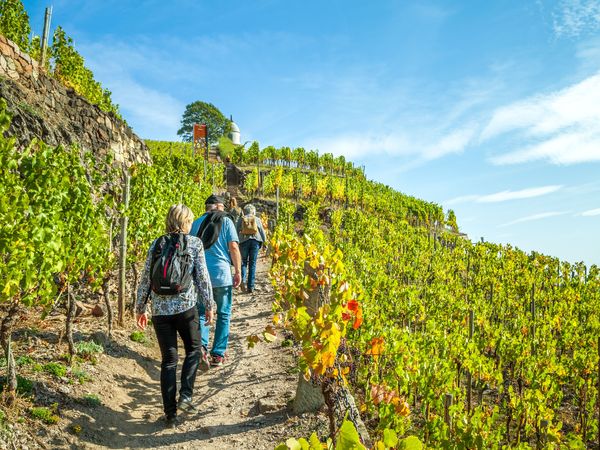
437,341
462,345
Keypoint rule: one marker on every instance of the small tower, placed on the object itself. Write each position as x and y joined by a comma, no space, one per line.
234,134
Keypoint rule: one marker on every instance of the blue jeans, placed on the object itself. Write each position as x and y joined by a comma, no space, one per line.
223,297
249,250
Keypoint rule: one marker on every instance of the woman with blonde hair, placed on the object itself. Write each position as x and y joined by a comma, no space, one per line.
174,279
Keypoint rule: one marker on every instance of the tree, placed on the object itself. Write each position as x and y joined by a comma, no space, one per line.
14,23
207,113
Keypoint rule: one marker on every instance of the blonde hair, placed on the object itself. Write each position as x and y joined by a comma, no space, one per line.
179,218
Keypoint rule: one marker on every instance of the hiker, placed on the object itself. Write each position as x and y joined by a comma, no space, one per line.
234,210
173,295
220,239
252,236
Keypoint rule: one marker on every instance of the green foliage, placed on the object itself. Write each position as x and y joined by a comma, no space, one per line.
69,67
46,415
14,23
88,349
451,220
52,245
138,336
348,438
173,165
81,375
226,147
57,369
24,361
91,400
204,113
24,385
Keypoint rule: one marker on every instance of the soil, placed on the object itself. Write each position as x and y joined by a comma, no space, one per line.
243,404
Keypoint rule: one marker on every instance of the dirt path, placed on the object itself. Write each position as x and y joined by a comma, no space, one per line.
242,404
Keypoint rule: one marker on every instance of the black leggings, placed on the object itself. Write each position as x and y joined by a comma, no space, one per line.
167,327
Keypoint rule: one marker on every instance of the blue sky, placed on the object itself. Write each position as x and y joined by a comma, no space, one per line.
489,108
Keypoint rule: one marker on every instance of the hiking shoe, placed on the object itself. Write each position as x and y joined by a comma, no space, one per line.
171,421
217,361
204,361
186,405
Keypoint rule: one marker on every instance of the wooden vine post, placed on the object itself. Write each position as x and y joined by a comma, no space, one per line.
277,204
469,375
532,307
123,252
447,404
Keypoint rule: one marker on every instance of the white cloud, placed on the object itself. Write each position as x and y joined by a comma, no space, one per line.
152,114
573,147
576,17
507,195
532,217
402,143
562,127
591,212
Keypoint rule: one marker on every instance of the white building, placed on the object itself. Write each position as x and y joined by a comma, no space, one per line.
234,134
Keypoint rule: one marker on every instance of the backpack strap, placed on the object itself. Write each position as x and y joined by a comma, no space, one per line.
211,228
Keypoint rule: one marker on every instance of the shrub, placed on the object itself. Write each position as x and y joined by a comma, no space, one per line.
24,361
88,349
44,414
81,375
91,400
57,369
138,336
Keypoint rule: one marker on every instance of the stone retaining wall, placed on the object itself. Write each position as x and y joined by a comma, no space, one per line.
44,108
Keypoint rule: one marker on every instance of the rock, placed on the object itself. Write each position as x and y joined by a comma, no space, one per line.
64,390
97,311
99,337
265,405
80,308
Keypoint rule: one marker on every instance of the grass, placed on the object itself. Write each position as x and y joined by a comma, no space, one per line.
138,336
91,400
57,369
24,361
81,375
46,415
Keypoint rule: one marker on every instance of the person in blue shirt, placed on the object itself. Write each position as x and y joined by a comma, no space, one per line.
220,257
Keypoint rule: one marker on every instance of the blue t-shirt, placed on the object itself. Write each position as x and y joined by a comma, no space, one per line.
217,256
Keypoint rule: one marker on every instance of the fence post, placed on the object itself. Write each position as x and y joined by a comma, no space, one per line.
469,376
45,33
277,204
123,252
447,405
532,307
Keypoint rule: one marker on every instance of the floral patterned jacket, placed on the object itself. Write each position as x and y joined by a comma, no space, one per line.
163,305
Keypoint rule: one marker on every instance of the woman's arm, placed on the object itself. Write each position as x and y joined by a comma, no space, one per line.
143,292
202,279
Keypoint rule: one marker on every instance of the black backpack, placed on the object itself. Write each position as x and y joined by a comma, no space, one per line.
172,265
211,228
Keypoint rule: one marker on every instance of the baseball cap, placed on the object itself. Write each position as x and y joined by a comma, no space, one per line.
214,200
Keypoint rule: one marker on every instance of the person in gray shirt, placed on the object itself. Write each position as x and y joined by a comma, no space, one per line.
252,236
